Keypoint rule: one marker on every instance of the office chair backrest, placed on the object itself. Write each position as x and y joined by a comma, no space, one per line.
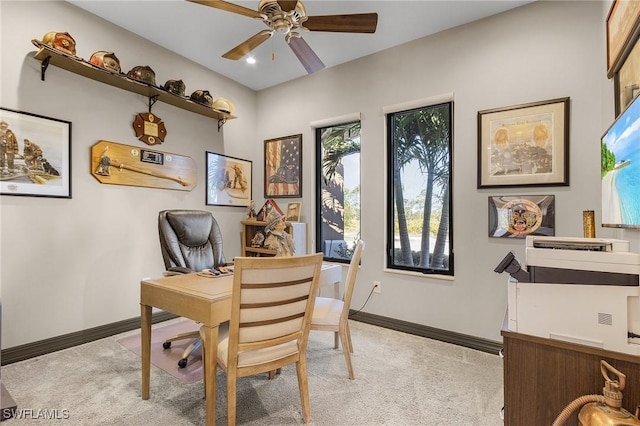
190,239
350,281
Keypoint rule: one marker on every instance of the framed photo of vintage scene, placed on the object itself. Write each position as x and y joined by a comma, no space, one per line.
35,155
519,216
283,167
293,212
228,181
627,79
623,27
524,145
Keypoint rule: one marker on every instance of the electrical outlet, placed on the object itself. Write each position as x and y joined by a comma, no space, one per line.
377,287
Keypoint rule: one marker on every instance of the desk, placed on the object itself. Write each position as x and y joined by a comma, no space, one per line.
202,299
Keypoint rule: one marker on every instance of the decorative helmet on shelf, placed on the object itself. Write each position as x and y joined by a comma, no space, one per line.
176,87
143,73
224,105
106,60
60,41
202,97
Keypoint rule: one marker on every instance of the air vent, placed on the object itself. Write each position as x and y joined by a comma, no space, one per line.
605,319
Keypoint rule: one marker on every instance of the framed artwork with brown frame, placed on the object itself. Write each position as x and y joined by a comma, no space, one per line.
627,79
522,215
524,145
623,27
228,181
283,167
35,155
293,211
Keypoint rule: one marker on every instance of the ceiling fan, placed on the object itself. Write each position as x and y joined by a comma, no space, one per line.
288,17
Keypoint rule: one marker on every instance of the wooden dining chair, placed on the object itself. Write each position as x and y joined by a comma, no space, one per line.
332,314
271,306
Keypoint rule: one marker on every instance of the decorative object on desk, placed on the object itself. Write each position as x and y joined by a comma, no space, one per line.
293,211
268,205
61,41
177,87
524,145
519,216
251,213
106,60
119,164
623,26
35,155
277,238
258,239
228,181
149,128
589,223
143,73
283,167
203,97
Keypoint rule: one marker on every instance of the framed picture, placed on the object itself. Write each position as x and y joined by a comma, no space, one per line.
35,155
228,181
524,145
293,212
623,27
283,167
627,80
519,216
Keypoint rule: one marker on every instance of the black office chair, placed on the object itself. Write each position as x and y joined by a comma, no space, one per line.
190,241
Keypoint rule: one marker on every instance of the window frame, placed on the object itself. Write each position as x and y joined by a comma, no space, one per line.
319,241
390,114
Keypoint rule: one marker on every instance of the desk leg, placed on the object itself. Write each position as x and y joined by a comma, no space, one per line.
210,343
145,328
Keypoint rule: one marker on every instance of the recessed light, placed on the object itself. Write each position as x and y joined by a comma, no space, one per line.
251,60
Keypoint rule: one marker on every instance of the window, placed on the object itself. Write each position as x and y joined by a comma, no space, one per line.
419,208
338,190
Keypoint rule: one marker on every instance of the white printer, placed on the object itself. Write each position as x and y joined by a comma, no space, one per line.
579,290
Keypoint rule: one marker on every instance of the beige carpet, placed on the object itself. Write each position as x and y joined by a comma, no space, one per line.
167,359
401,380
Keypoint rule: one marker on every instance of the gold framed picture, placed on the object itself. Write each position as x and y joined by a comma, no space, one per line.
293,211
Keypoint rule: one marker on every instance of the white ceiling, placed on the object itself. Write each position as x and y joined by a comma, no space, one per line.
202,34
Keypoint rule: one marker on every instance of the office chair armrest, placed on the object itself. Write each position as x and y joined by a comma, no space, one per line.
177,270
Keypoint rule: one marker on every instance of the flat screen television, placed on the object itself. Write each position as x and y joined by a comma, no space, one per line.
620,170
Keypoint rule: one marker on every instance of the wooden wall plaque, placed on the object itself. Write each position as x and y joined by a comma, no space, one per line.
118,164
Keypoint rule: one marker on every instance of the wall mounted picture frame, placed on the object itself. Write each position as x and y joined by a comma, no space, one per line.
293,211
283,167
623,28
229,181
521,215
35,155
524,145
627,79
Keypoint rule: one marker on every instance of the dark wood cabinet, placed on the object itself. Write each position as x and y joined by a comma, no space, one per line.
542,376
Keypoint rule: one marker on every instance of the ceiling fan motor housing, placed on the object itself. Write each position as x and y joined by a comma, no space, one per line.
279,20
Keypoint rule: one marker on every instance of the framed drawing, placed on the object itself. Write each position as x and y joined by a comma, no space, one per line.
35,155
623,26
283,167
524,145
627,80
293,212
228,181
519,216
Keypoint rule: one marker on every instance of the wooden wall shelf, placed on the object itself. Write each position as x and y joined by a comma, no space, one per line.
50,56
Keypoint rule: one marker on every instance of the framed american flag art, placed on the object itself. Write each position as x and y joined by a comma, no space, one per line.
283,167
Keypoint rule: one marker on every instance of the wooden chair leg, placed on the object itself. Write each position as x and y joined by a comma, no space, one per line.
345,350
231,398
336,340
349,337
303,386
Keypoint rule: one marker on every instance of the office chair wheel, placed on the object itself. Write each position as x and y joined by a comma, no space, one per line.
166,345
182,363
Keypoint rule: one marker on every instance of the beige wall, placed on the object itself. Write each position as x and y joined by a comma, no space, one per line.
67,265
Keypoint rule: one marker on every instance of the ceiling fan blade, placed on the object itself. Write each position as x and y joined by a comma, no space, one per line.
229,7
307,57
355,23
287,6
247,46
